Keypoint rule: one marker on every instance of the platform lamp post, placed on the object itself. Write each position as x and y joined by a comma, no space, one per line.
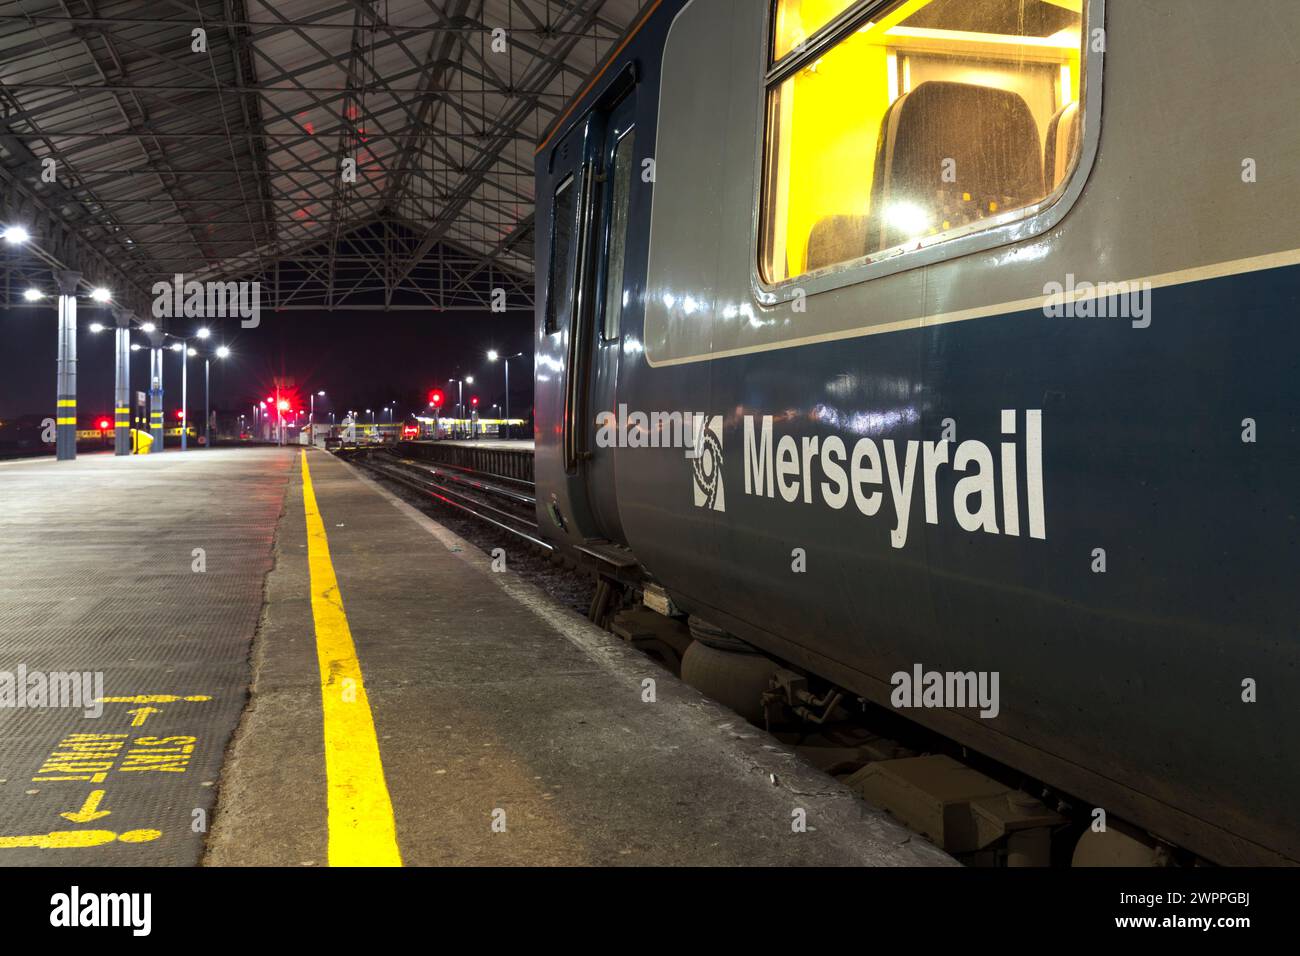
157,414
65,415
460,393
492,356
221,353
122,382
203,334
182,346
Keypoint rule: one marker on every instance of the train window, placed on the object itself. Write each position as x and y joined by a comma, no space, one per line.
562,221
798,20
905,124
618,233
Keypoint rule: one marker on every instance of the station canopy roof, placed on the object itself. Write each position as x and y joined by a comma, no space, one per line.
220,155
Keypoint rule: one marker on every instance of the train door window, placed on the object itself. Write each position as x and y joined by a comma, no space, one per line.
622,193
893,126
562,221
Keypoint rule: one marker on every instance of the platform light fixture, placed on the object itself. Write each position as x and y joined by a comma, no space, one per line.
220,352
492,356
33,295
312,412
203,333
16,235
148,327
97,327
100,294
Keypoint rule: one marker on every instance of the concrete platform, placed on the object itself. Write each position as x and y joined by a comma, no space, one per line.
146,574
389,689
491,704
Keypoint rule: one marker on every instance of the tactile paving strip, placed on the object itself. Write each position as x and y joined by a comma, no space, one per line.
101,578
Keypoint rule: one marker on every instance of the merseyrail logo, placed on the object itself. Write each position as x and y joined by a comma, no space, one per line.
994,485
867,474
706,463
700,436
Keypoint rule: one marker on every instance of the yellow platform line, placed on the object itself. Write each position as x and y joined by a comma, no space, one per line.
362,831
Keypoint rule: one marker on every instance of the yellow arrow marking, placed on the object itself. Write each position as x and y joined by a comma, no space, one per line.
141,714
154,699
89,811
70,839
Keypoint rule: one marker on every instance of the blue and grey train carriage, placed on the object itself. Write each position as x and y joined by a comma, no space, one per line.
989,309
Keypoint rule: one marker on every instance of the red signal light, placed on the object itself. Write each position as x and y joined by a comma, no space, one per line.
474,401
103,424
435,398
180,415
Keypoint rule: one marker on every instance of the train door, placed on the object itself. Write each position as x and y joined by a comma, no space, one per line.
591,170
602,337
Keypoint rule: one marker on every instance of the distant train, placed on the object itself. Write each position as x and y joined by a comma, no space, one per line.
881,346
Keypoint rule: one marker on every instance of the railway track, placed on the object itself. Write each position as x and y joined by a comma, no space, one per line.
501,501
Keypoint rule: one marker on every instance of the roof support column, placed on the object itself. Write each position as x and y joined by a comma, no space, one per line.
157,414
122,384
65,415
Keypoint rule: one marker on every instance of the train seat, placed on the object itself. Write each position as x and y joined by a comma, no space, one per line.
991,136
836,239
1062,140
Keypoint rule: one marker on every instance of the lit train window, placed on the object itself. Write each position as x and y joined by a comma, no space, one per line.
562,220
798,20
618,234
900,125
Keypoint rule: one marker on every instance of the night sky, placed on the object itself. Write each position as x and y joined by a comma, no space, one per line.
361,359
